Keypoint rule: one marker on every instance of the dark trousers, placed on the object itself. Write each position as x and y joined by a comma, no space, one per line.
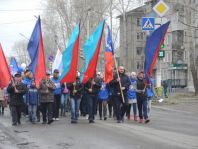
46,109
124,108
134,109
56,105
117,101
102,108
38,110
83,105
111,106
142,107
121,108
92,101
128,110
16,114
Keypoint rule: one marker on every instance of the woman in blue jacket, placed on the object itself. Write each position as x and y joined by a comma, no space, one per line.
132,97
103,97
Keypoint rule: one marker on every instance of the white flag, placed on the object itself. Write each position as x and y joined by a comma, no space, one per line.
57,64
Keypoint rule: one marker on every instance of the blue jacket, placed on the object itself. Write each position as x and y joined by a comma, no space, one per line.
32,97
131,94
57,83
27,82
103,93
149,89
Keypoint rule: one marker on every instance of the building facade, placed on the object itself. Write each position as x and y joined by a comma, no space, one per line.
175,66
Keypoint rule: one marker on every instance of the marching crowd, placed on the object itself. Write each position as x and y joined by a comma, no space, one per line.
53,98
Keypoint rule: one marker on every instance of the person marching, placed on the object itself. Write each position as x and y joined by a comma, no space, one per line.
151,93
27,80
91,88
103,97
16,90
32,100
75,89
132,96
64,99
46,95
141,94
120,103
57,94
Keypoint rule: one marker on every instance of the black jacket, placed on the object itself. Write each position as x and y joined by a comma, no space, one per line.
16,99
125,82
78,87
141,91
95,87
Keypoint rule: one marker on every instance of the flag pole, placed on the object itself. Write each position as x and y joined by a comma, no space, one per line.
116,66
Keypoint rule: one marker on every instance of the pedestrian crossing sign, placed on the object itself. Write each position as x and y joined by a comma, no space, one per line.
148,24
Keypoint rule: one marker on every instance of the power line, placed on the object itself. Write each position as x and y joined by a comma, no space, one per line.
16,22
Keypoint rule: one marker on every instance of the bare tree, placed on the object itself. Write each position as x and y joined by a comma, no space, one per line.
20,48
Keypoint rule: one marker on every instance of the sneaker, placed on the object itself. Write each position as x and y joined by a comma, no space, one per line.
128,117
135,118
54,119
91,121
44,122
50,121
105,118
14,124
57,119
118,121
140,121
73,121
87,117
147,121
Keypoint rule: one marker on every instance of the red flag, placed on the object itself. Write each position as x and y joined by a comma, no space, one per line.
41,67
5,75
109,58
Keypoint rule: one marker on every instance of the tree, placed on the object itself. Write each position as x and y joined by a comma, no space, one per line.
192,30
20,47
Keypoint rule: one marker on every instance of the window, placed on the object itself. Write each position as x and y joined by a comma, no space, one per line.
141,35
138,22
139,65
138,36
139,50
177,39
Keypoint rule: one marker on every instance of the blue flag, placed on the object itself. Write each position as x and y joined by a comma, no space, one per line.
14,66
153,44
36,53
91,51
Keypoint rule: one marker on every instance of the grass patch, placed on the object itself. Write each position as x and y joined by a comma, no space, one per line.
176,98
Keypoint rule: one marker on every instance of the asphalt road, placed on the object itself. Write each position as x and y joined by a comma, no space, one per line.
171,127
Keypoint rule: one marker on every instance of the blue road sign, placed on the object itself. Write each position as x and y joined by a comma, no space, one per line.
51,58
148,24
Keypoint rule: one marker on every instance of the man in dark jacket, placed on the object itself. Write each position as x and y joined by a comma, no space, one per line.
118,99
92,88
141,93
16,89
75,89
46,94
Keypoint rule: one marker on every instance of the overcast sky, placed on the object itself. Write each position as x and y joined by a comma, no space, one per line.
17,16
